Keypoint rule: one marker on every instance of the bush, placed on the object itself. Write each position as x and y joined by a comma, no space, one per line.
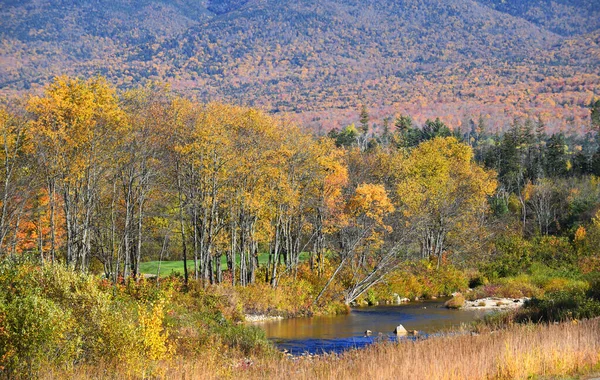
455,302
516,255
53,317
478,281
34,332
555,252
512,258
423,280
561,306
248,339
512,287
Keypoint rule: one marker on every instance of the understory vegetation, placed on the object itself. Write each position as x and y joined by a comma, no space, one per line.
548,351
54,318
59,323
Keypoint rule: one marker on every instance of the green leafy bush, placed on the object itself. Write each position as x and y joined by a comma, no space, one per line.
35,331
561,306
52,316
513,257
422,279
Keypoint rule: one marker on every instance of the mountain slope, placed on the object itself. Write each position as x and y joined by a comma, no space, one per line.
320,58
299,47
43,38
565,17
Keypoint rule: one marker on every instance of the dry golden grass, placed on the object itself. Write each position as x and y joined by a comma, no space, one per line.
522,351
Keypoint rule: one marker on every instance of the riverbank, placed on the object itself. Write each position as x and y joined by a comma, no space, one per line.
458,301
258,318
335,334
522,351
495,303
52,317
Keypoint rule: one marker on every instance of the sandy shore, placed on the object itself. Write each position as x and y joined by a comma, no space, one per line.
491,303
262,318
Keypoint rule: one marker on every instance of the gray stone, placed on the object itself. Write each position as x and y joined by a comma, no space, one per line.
400,330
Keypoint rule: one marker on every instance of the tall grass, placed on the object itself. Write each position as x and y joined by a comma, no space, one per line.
520,352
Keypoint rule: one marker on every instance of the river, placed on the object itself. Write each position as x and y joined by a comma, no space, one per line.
317,335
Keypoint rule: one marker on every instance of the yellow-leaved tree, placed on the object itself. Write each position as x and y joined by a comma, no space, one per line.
15,184
361,240
74,124
441,192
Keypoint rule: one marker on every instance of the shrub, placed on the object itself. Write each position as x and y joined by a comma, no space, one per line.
247,339
455,302
555,252
512,287
35,331
516,255
478,281
422,279
152,335
561,306
563,284
52,316
513,257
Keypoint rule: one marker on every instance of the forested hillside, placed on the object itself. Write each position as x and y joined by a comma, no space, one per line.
565,17
322,60
162,187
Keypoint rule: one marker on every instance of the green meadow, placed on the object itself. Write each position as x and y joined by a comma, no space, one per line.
170,267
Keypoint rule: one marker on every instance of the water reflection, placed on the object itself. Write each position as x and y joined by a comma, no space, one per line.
337,333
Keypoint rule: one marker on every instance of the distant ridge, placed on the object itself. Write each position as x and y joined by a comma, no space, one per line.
322,59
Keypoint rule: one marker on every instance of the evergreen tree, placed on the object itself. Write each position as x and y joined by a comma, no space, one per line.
595,164
595,114
436,128
556,156
364,119
385,136
581,164
403,124
528,141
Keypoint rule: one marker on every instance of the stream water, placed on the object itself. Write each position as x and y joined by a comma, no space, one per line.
338,333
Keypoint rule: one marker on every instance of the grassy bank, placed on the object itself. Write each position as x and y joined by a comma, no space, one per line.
55,323
172,267
524,351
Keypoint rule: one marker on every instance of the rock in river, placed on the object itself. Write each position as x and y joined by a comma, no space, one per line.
400,330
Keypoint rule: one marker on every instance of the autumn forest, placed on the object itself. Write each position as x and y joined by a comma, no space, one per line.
274,189
99,181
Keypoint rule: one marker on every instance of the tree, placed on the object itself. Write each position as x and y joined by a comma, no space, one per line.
385,135
346,138
435,128
364,119
363,138
556,156
73,123
15,185
408,135
441,190
361,241
595,126
403,123
540,198
138,153
595,114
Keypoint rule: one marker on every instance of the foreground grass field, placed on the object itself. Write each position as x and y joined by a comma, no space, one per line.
56,323
170,267
570,349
